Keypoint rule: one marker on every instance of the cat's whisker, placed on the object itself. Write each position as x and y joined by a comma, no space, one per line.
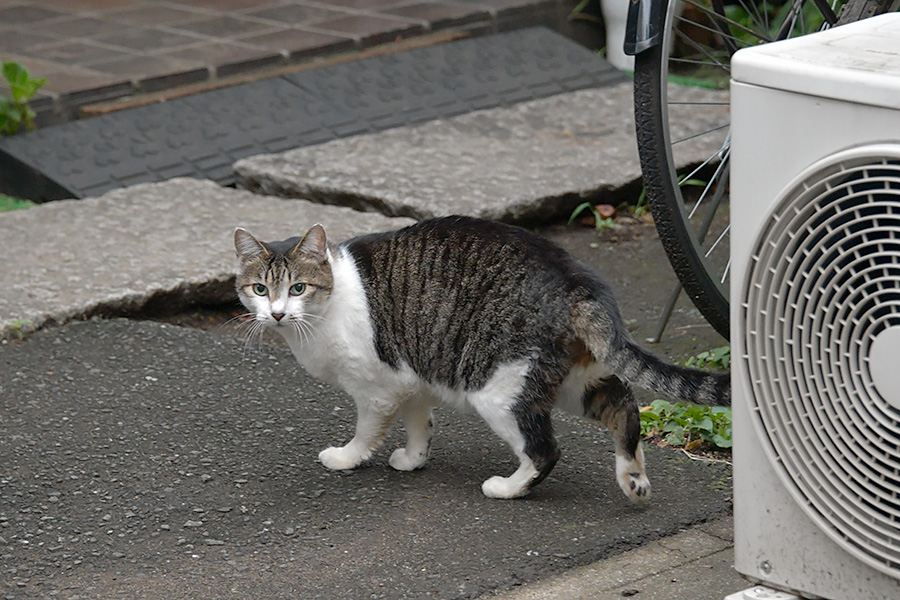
303,328
252,336
236,325
240,319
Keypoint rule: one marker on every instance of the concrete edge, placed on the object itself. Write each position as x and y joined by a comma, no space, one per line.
642,572
122,254
178,295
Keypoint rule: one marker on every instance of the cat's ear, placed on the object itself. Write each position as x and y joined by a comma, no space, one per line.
247,246
313,244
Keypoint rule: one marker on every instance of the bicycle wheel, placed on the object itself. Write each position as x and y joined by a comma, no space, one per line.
682,118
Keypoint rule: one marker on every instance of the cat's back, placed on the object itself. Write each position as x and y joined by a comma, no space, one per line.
449,296
465,251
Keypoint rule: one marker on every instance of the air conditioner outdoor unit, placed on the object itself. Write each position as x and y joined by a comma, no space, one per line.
815,312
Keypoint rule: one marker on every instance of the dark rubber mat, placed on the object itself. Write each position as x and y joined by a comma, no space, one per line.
204,134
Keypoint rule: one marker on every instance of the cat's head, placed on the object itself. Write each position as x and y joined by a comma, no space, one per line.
287,283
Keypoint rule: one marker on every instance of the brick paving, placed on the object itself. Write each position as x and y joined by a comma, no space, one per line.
95,51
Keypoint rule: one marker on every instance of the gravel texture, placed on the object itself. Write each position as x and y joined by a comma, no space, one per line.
146,460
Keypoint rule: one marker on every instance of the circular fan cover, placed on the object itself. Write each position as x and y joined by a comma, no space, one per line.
821,316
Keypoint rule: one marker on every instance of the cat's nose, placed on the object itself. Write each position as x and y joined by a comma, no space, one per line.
277,316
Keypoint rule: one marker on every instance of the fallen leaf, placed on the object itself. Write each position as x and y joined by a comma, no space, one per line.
606,211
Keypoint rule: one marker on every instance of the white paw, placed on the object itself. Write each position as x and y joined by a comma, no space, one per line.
339,459
402,461
504,488
631,477
636,486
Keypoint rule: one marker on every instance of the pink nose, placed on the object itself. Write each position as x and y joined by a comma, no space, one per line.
277,316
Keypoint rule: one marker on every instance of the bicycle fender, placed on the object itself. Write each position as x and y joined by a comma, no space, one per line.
642,30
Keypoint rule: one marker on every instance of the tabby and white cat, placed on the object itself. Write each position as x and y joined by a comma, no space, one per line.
463,312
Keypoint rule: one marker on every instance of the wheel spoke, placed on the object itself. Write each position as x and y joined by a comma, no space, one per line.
702,50
714,31
827,12
696,135
717,17
752,8
718,240
684,103
721,153
701,63
709,183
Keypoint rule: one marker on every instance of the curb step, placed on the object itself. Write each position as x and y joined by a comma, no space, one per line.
203,135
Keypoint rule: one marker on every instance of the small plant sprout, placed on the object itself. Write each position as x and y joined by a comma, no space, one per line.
601,222
15,112
717,358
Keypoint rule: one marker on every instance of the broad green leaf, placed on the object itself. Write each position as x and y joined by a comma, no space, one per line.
722,442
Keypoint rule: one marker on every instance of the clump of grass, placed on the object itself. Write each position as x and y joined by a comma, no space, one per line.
8,203
601,223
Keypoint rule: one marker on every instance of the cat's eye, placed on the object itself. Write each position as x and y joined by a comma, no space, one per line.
297,289
259,289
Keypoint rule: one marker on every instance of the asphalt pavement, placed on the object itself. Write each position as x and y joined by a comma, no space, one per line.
144,460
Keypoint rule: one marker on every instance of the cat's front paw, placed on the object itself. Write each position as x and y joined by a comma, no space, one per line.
403,460
339,459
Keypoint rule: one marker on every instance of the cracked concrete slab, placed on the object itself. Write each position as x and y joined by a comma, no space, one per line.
534,161
121,252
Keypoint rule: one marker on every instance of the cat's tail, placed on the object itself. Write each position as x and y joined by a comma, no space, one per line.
609,343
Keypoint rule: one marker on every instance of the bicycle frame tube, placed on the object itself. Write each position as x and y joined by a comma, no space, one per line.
642,28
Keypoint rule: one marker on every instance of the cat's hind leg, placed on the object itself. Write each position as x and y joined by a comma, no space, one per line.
517,413
417,418
612,403
537,456
373,422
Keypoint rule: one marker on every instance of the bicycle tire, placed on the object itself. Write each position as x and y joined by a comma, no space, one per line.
672,224
676,233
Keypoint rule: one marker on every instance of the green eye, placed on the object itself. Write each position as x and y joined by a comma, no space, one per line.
297,289
259,289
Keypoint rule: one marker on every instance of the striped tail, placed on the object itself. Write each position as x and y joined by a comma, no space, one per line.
609,342
640,367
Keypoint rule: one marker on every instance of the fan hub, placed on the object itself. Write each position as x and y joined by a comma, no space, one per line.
884,365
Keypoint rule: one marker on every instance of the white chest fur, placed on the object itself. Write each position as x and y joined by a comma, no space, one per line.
341,350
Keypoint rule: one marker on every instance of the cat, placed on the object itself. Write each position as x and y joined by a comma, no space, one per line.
465,312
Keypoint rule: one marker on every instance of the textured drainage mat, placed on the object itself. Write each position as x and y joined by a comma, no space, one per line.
204,134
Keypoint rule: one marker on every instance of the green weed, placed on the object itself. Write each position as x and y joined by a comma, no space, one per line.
8,203
600,223
717,358
641,208
687,425
15,112
19,328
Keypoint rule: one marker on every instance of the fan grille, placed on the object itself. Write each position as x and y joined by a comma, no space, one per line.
823,283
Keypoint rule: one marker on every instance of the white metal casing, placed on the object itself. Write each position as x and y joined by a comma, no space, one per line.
794,105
